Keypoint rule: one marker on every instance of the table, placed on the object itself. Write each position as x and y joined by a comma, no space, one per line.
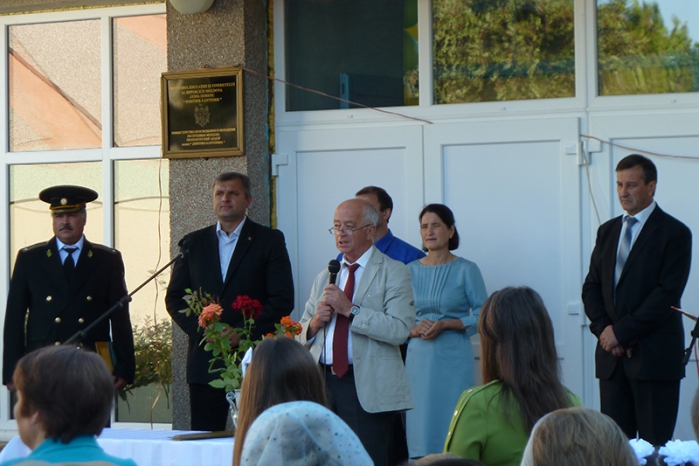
150,448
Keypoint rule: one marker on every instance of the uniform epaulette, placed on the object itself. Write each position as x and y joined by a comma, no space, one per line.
34,246
104,248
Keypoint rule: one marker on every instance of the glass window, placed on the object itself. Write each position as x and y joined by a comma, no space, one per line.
30,220
364,51
140,56
491,50
142,234
647,47
55,86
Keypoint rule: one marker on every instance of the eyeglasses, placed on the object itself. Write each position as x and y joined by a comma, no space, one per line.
345,231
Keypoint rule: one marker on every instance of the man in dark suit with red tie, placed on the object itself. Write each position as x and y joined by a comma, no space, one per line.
638,271
234,257
61,286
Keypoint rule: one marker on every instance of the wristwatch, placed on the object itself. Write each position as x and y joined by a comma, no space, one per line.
354,311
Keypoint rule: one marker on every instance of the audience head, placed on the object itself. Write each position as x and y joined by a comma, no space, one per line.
578,437
62,392
446,216
281,370
518,349
304,434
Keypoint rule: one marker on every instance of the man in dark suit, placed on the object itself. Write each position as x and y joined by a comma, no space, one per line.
638,270
61,286
234,257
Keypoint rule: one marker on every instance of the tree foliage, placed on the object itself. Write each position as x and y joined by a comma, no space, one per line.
489,50
638,54
492,50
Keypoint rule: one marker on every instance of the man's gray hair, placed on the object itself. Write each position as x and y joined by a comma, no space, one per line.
370,215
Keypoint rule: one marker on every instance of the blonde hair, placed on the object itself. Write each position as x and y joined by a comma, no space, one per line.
580,437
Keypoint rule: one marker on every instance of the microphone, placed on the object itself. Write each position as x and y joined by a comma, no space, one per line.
184,245
333,270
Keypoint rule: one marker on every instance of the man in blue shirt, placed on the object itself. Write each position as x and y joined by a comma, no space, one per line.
393,247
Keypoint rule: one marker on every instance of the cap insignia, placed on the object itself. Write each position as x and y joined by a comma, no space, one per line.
64,201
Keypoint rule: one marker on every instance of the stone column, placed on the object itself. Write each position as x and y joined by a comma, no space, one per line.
230,33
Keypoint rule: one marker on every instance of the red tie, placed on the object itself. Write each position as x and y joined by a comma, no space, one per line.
340,360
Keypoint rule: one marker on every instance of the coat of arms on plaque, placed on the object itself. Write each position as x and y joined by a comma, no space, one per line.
201,115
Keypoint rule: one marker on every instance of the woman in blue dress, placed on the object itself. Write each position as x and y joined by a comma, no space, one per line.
449,292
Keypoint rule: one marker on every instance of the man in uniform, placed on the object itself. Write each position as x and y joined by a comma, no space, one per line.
61,286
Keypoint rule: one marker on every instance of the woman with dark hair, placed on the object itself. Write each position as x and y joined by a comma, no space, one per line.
281,370
64,400
449,291
521,377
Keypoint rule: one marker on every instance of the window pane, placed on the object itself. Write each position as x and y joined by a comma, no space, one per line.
140,56
30,220
360,50
55,86
647,47
142,234
490,50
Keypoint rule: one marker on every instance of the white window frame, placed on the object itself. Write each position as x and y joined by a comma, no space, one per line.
106,154
585,100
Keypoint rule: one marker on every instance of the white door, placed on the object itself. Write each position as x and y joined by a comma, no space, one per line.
514,187
318,169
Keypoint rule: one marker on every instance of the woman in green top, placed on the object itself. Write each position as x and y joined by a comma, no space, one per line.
521,377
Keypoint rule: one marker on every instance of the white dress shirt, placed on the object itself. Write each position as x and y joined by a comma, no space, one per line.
327,354
226,245
60,245
636,228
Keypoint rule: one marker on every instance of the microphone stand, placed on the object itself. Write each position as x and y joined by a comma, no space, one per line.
688,351
81,334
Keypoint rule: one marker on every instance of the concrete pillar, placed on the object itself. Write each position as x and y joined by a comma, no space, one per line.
230,33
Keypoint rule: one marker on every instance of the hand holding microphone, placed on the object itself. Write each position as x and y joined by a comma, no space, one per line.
324,312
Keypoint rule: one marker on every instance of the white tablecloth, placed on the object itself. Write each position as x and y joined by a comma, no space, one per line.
150,448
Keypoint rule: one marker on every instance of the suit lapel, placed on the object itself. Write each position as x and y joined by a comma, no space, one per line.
211,256
245,239
53,269
372,268
85,267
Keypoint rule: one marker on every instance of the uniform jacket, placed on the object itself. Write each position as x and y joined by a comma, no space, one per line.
652,281
259,268
57,311
385,297
480,430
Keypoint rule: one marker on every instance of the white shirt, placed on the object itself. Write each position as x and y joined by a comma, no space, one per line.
60,245
636,228
326,356
226,245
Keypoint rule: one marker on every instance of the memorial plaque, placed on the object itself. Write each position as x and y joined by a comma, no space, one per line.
202,113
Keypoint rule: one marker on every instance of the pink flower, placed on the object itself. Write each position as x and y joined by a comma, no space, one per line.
209,315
